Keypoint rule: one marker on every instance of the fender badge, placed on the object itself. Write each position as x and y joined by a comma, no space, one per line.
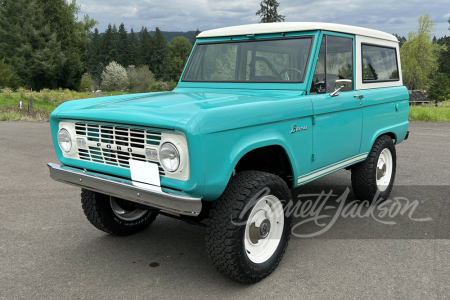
295,128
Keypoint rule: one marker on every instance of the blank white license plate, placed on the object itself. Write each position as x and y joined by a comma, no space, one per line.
145,175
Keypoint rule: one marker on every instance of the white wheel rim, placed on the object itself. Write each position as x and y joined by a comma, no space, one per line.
126,214
384,169
267,220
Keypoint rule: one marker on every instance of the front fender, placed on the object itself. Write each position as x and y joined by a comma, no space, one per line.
223,150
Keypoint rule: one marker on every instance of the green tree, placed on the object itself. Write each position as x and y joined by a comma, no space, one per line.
194,36
419,55
145,48
7,76
444,58
123,46
133,49
440,88
109,45
159,55
268,12
44,42
94,53
401,39
86,83
180,48
72,36
139,79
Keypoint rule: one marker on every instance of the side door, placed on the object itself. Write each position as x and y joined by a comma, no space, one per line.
337,121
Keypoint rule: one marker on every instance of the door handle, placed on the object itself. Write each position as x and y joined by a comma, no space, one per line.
360,96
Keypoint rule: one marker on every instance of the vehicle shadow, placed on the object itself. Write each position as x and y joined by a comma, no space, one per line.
171,252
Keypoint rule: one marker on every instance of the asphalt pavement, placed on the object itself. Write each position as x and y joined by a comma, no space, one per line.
48,249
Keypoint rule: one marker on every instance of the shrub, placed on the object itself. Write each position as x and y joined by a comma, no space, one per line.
86,82
158,86
45,94
172,86
7,92
30,94
139,79
53,96
22,91
114,77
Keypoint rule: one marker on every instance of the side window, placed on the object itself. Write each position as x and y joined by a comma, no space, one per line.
318,83
335,61
379,64
339,62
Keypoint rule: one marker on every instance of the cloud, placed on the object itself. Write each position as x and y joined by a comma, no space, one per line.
181,15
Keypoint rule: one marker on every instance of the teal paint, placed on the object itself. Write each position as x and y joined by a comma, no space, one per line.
224,121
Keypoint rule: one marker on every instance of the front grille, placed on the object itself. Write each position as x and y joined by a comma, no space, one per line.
115,145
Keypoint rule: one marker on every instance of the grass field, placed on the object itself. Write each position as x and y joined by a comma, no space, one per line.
45,103
430,112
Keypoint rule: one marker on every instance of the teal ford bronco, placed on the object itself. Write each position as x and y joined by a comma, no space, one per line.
259,109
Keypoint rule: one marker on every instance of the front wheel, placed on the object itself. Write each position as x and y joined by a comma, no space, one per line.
113,215
374,177
249,231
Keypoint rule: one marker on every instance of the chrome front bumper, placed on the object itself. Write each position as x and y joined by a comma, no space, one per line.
123,188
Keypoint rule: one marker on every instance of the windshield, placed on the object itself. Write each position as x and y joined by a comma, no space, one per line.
275,60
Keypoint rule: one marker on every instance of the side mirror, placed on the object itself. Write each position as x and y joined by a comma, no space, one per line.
340,84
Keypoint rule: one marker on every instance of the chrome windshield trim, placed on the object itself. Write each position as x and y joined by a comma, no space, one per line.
125,189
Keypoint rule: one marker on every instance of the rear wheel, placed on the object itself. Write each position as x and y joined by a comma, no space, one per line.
249,232
373,178
113,215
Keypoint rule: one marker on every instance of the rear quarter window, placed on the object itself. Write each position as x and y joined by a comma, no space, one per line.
379,64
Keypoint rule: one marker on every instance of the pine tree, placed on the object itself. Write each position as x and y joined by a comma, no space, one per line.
145,48
133,49
401,39
440,88
94,53
114,55
28,45
109,45
444,57
194,36
72,36
44,42
123,46
268,12
159,57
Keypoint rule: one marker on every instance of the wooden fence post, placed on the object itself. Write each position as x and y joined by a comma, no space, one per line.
30,105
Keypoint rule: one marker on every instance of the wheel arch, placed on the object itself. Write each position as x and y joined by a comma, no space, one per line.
272,159
396,132
216,181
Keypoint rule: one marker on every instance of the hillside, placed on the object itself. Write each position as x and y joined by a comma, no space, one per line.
169,35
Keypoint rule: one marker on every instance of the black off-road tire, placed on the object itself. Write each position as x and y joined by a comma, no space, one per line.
225,241
97,208
364,181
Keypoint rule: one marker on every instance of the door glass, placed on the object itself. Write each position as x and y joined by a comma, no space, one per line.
318,83
339,62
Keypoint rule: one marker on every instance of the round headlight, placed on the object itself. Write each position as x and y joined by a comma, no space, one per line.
64,140
169,157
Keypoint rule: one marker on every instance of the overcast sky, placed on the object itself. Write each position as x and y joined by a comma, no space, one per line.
184,15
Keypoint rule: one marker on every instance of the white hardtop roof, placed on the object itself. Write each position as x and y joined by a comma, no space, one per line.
262,28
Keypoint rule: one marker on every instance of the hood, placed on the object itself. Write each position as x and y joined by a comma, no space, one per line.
164,110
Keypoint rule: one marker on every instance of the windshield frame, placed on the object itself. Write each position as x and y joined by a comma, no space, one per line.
235,40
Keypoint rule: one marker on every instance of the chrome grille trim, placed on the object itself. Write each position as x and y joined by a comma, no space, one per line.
111,144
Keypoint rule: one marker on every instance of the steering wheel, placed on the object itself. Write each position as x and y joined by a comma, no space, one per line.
286,75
